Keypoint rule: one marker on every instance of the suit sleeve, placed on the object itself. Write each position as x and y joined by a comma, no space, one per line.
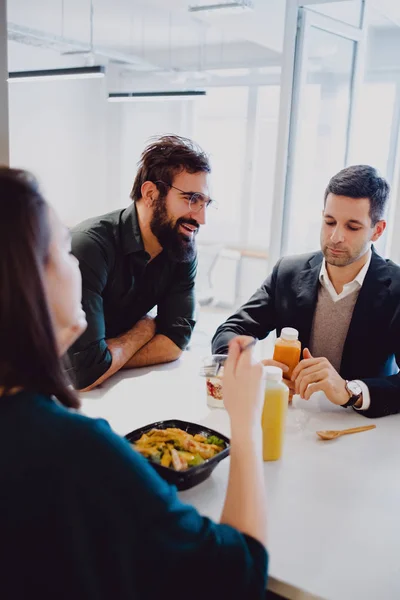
89,357
256,318
384,396
385,391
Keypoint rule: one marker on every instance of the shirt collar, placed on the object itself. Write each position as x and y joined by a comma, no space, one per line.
130,232
324,277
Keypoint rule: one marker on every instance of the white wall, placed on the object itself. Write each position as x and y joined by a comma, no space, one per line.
138,122
58,130
83,149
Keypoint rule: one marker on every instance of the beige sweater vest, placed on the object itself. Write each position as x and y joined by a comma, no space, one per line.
330,326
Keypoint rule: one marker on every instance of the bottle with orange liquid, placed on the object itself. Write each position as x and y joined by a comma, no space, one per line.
274,413
288,349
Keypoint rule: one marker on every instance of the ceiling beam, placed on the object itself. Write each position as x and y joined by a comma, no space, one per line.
34,37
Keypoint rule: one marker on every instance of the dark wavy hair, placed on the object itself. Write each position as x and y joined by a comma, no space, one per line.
362,181
165,157
28,348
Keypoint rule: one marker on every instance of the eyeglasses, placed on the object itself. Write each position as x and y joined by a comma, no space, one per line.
196,200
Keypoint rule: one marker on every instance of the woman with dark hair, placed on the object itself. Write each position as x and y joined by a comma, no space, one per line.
83,516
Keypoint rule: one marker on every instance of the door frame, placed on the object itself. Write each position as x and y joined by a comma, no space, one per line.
300,19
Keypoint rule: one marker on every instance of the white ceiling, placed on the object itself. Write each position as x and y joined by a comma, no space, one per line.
152,34
157,43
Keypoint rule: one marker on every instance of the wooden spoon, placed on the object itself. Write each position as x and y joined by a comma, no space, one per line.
331,435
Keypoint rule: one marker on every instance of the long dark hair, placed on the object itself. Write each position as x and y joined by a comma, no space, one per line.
28,349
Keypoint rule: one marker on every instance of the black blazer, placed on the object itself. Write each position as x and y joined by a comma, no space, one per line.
371,352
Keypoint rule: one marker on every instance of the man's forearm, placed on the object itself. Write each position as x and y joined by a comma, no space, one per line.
123,347
160,349
245,504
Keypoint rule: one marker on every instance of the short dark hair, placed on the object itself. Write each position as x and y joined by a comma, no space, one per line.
167,156
28,350
361,181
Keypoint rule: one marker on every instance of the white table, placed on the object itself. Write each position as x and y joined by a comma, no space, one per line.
334,507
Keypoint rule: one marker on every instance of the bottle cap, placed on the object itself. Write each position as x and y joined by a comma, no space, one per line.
273,374
289,334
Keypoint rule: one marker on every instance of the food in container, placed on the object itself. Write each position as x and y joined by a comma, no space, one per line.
174,448
185,478
213,371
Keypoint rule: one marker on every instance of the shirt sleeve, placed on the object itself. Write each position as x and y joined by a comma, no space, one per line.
175,311
89,357
166,544
366,400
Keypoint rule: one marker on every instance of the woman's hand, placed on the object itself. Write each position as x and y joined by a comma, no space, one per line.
242,384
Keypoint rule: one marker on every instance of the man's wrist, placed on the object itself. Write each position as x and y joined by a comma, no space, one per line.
359,402
354,394
345,396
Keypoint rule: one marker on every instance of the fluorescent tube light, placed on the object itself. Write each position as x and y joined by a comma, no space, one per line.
141,96
235,6
54,74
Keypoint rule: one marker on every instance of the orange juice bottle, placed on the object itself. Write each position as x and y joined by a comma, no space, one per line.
276,399
288,349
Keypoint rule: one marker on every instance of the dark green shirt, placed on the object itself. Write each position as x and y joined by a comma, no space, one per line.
120,285
84,517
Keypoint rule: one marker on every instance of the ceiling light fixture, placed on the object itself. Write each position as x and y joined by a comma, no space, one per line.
54,74
141,96
233,6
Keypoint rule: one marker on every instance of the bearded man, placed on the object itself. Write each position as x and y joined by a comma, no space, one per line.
138,258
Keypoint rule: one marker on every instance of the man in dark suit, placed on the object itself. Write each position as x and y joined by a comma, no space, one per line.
344,301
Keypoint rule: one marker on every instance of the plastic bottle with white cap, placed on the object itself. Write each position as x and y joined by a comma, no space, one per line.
276,400
288,349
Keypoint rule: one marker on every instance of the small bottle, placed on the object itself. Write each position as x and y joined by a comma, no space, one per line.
288,349
276,399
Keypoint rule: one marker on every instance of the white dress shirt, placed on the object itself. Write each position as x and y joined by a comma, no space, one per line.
348,288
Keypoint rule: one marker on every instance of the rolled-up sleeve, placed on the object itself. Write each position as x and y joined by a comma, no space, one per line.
176,310
89,357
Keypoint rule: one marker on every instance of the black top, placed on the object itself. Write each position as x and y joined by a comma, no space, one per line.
120,285
83,516
371,352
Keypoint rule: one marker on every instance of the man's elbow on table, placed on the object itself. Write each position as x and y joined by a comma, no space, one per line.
174,352
89,367
161,349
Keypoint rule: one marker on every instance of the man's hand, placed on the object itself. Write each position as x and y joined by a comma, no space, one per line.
315,374
147,326
269,362
125,346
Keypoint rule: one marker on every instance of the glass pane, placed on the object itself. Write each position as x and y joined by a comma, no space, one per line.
223,117
374,129
347,12
375,132
264,165
320,145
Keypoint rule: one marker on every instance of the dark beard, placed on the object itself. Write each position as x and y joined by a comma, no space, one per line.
180,248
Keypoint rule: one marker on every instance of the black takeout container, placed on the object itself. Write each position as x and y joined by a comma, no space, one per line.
194,475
